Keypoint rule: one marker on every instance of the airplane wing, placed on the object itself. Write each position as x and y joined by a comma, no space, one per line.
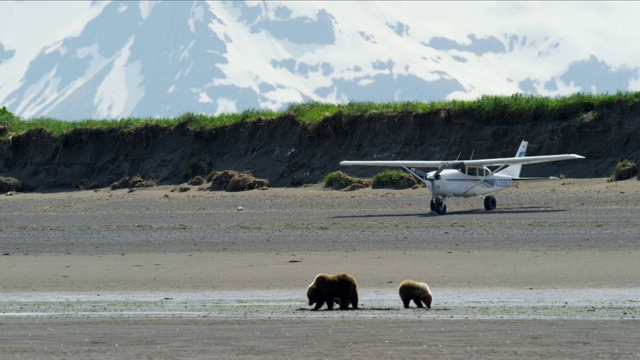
535,178
524,160
395,163
469,163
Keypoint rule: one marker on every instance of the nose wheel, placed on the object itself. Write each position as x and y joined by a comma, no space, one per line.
438,206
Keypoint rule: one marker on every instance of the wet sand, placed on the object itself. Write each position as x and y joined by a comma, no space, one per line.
552,273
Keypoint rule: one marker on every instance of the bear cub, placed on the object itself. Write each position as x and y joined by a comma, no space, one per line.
416,291
339,288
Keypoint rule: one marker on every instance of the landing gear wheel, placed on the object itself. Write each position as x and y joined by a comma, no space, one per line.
441,207
489,203
432,204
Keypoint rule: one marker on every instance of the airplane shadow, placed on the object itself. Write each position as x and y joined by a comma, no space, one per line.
375,216
525,210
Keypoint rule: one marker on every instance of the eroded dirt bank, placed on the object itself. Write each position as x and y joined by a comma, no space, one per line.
288,153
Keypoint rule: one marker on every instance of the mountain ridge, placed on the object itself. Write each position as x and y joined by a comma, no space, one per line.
114,59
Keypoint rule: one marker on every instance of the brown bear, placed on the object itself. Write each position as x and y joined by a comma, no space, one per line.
416,291
329,288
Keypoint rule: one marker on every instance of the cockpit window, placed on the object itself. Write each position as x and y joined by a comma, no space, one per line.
474,171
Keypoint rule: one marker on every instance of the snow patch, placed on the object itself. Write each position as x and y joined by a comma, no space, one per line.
146,7
121,90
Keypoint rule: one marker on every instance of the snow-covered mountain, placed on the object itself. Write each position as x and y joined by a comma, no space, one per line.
78,60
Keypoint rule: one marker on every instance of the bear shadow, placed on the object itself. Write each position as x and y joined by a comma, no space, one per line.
375,309
348,309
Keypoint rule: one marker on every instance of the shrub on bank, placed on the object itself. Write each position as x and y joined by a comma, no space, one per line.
395,179
339,180
132,182
233,181
625,169
9,184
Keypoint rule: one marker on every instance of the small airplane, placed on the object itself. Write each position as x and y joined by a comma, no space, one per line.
466,178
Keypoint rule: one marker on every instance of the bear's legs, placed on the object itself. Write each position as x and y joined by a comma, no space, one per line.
330,303
418,302
319,304
344,302
406,303
354,299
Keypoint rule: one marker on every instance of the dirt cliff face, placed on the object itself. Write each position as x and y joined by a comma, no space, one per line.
289,153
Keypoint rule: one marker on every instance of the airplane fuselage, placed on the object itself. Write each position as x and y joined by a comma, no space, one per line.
467,178
451,183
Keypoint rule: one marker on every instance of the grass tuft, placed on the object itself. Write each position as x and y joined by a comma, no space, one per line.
625,169
396,179
339,180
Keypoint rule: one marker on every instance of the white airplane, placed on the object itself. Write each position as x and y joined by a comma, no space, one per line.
466,178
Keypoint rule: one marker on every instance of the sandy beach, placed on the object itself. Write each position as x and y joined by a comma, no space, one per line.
553,272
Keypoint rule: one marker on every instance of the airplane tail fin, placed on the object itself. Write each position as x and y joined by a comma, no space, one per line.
514,170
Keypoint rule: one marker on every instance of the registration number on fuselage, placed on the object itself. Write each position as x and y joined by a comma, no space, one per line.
503,183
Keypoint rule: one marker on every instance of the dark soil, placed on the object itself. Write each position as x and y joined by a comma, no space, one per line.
233,181
286,152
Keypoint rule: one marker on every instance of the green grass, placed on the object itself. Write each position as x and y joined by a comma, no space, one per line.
393,178
516,108
397,179
338,180
522,108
